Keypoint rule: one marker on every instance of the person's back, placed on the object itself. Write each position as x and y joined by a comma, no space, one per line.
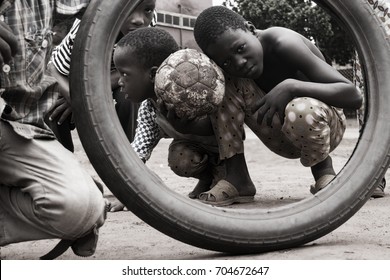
280,43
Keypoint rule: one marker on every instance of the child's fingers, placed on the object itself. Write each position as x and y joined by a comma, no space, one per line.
5,52
61,107
261,114
161,107
171,114
56,111
117,206
8,43
257,104
281,115
66,113
270,116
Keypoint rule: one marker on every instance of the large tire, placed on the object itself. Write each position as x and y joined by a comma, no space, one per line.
223,229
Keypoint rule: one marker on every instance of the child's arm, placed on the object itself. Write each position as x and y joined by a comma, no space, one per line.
62,107
9,44
323,81
59,68
147,134
201,127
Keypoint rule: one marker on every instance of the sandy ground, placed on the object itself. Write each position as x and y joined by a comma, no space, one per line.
125,237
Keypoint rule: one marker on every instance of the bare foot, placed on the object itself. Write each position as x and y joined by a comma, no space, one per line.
322,168
237,174
117,206
244,186
202,186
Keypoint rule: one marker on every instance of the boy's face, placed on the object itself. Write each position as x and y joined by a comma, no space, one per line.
141,17
239,53
136,81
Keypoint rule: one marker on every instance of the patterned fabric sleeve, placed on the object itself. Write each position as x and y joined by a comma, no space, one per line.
70,7
147,134
62,53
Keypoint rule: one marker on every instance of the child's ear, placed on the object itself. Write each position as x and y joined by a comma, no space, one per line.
249,25
152,73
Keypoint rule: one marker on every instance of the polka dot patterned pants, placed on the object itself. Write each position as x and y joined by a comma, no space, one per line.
191,159
311,130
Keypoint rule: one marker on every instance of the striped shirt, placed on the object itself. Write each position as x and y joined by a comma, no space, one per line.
61,56
62,53
147,133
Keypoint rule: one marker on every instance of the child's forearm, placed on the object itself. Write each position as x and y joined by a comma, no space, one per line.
201,127
339,94
63,81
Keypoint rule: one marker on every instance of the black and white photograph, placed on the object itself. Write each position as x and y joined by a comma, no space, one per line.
220,131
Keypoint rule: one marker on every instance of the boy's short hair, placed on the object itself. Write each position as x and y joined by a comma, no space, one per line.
214,21
150,45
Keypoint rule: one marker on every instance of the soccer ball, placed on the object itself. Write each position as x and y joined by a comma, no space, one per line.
190,83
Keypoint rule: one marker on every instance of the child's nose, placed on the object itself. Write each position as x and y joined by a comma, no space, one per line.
239,62
137,19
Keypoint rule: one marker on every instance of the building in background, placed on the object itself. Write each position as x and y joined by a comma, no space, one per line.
178,18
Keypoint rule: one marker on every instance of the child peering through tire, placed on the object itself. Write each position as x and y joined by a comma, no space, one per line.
311,130
60,118
299,115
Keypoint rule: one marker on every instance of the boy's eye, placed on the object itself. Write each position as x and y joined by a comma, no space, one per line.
149,10
241,48
226,63
124,75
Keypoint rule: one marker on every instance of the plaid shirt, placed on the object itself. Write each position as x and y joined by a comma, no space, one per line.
25,89
148,132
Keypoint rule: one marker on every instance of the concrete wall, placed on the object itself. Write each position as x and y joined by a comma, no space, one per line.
188,9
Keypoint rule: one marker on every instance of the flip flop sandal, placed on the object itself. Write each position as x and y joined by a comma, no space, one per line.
223,194
321,183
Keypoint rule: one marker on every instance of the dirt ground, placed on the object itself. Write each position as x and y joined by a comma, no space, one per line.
125,237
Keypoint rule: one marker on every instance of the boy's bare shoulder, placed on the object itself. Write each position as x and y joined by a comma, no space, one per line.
277,33
278,38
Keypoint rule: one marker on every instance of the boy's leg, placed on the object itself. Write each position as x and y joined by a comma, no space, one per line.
44,192
187,159
63,132
237,174
314,128
236,187
228,124
323,168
